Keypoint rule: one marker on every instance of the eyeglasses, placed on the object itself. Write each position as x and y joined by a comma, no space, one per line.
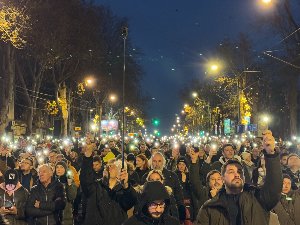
25,163
155,205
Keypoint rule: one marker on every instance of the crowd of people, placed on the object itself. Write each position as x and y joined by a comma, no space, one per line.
214,180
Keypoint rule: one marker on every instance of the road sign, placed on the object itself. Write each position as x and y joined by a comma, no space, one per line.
227,126
232,127
77,128
250,127
240,129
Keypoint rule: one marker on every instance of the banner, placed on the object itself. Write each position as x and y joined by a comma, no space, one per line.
108,126
227,126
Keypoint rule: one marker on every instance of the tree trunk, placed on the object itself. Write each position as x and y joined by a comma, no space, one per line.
64,108
7,108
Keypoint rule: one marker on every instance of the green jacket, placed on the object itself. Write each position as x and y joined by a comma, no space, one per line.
254,203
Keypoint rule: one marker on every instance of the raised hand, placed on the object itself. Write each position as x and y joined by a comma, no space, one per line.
194,155
124,176
269,142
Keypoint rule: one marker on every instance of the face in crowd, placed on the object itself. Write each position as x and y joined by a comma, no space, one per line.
52,157
283,160
215,181
156,177
45,174
113,170
111,145
106,151
143,148
228,152
293,161
287,184
97,166
26,165
181,167
60,170
139,162
233,178
157,162
255,152
156,208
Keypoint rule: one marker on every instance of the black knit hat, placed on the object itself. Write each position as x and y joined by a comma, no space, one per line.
11,177
182,159
62,164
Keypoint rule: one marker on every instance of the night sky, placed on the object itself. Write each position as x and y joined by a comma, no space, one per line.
173,34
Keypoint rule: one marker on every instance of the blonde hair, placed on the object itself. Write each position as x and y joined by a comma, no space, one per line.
157,172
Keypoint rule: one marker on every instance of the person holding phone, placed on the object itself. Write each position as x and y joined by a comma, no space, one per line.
13,199
109,198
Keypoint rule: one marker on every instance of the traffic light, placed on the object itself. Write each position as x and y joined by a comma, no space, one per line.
158,134
155,121
201,133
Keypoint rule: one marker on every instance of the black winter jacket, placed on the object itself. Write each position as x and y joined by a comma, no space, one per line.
187,190
52,203
201,192
171,180
254,203
288,208
105,205
153,190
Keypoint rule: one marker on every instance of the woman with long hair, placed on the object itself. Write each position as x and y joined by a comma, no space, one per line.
142,166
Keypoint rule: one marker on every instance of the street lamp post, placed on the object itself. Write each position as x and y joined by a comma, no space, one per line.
124,35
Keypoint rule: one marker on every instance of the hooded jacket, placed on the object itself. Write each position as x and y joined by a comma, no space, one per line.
18,197
171,180
254,203
105,205
172,208
52,203
153,190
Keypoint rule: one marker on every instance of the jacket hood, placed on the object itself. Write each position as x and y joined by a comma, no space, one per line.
139,189
153,190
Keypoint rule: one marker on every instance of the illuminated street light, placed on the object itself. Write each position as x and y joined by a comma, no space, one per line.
266,1
89,81
214,67
186,105
266,119
182,111
195,94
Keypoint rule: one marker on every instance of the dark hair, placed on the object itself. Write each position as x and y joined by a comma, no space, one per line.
212,172
97,159
229,162
30,159
283,154
54,150
226,145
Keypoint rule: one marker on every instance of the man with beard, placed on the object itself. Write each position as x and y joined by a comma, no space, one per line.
153,206
27,174
213,181
158,162
239,203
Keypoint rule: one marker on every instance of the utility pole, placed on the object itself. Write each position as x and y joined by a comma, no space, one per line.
124,35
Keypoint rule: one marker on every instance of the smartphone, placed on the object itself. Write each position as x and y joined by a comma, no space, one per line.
196,149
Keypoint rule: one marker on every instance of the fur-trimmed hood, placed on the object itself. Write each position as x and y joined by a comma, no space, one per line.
139,189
